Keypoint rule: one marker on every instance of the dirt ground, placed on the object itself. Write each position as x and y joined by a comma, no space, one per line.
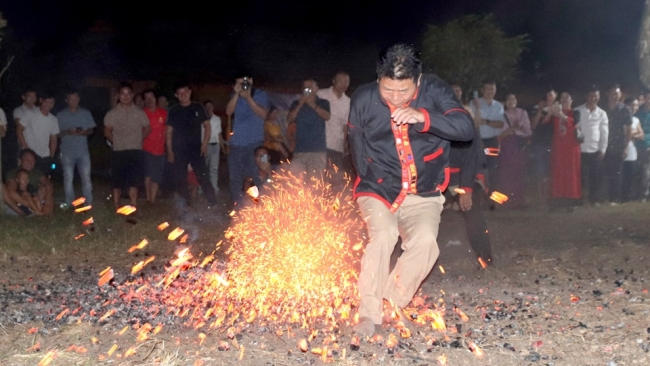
565,289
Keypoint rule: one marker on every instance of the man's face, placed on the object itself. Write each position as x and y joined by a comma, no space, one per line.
634,106
341,83
397,92
262,158
593,97
209,107
72,100
550,97
23,180
29,98
311,85
511,101
27,162
183,95
163,102
47,105
126,96
566,100
489,91
458,91
614,95
150,100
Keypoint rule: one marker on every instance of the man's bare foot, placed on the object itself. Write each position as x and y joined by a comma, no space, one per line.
365,327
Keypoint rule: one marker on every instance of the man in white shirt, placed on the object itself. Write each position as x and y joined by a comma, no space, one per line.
336,126
491,123
39,131
28,106
214,145
594,125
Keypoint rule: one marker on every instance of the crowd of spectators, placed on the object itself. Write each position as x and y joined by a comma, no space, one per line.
598,152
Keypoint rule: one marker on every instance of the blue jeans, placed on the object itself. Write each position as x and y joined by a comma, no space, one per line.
241,164
82,161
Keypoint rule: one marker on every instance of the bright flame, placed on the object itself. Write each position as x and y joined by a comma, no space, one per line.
141,245
175,233
90,221
492,151
79,236
126,210
498,197
48,358
442,269
79,201
459,190
163,226
482,262
82,209
105,276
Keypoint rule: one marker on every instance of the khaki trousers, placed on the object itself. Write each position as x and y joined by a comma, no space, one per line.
416,221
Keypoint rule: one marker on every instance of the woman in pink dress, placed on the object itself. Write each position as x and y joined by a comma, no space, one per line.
565,155
513,139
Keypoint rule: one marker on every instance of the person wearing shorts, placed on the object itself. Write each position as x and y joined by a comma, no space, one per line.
125,126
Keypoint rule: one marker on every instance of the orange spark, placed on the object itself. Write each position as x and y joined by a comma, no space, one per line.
438,322
113,349
357,246
574,298
241,352
126,210
121,332
183,239
108,314
498,197
32,330
442,360
62,314
492,151
34,348
90,221
79,201
442,269
83,209
49,357
175,233
482,262
303,345
462,315
105,276
163,226
476,350
79,236
141,245
459,190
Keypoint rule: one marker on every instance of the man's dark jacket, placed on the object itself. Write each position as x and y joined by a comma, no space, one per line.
373,148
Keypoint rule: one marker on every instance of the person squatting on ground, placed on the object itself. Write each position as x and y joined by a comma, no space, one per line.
399,133
125,126
248,108
154,146
75,125
184,143
44,188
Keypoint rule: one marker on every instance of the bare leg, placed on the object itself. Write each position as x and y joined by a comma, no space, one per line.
154,192
48,200
148,189
133,196
117,194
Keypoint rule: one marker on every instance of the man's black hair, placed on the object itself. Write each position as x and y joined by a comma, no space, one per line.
399,63
340,72
614,86
489,82
70,91
125,84
259,148
147,91
593,89
208,101
181,84
29,89
26,151
46,94
21,170
629,100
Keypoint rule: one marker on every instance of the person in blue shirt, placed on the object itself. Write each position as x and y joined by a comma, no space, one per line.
247,110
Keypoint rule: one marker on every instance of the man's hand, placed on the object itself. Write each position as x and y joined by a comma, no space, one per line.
310,100
237,87
465,201
246,94
407,115
476,103
601,155
170,157
204,149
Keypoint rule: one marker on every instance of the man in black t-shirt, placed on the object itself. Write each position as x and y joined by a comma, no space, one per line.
184,144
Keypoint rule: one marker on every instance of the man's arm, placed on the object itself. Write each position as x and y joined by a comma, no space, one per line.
293,111
260,111
206,137
9,201
604,135
108,133
168,143
232,103
21,135
324,111
54,141
356,137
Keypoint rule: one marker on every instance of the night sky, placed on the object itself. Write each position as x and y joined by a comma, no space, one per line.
574,43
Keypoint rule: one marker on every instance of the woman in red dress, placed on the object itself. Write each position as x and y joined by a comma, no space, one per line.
565,155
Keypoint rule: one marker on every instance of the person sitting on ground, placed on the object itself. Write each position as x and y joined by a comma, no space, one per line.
26,195
37,179
262,178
